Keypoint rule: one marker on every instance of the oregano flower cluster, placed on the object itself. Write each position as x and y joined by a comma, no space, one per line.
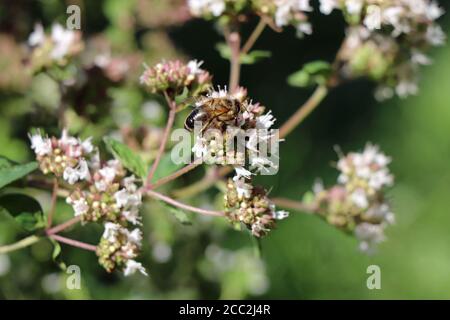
55,49
357,203
100,192
388,41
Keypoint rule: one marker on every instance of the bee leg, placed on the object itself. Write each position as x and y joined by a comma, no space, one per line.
207,124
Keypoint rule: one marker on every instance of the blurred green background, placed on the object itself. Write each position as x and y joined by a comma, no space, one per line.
304,258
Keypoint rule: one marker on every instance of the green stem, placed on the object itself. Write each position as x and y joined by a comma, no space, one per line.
319,94
28,241
254,36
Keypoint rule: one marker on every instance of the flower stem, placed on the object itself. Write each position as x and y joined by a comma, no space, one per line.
203,184
174,175
162,146
28,241
293,205
74,243
234,42
63,226
254,36
300,115
53,203
183,206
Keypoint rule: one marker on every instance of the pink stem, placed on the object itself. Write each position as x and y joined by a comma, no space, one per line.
180,205
74,243
165,137
63,226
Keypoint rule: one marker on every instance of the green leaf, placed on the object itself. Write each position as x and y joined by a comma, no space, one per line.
56,255
10,171
166,167
182,97
308,197
255,56
126,156
25,210
182,216
248,58
316,72
30,221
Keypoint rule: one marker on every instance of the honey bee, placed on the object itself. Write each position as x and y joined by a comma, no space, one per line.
214,112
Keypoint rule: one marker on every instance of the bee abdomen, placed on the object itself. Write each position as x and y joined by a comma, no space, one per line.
196,115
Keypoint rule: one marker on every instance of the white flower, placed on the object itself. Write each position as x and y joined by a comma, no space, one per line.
304,28
194,67
243,189
87,146
135,237
132,266
125,199
108,174
435,36
286,12
111,231
369,235
327,6
37,37
373,17
70,175
62,40
433,11
199,149
132,216
129,183
66,140
280,214
380,179
354,6
383,93
392,16
359,198
406,88
420,58
80,206
41,146
381,212
121,197
262,164
241,172
81,172
200,7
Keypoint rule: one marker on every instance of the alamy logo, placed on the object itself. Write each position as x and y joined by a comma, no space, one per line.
73,281
73,22
374,280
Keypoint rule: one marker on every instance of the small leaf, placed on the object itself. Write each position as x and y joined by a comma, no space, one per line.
10,171
126,156
25,210
30,221
56,255
248,58
179,214
316,72
182,97
308,197
255,56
